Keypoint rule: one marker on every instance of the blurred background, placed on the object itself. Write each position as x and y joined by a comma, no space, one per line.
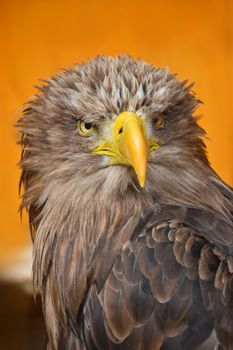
37,38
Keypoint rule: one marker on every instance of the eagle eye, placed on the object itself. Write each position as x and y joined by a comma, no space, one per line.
85,128
159,121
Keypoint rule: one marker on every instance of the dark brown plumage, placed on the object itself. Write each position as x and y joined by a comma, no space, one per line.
119,265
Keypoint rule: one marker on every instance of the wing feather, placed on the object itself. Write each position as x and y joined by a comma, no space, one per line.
172,283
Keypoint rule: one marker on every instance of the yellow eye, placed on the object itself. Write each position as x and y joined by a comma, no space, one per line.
85,128
159,123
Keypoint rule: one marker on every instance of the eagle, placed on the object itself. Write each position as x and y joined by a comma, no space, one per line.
132,229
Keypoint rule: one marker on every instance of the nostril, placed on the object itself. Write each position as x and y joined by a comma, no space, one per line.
120,130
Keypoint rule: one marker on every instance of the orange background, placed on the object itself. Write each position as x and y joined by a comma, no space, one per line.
37,37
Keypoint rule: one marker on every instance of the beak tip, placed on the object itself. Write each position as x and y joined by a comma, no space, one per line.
141,182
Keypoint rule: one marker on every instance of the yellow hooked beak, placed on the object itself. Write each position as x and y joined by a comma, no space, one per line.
128,144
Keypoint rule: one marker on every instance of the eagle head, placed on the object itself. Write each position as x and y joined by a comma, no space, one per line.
115,124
